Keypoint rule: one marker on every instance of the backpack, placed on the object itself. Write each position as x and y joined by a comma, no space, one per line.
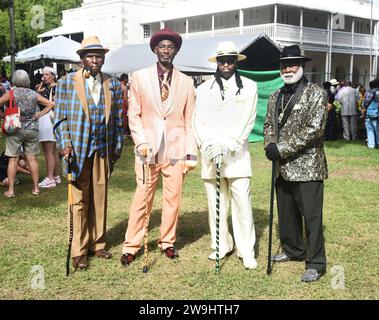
372,111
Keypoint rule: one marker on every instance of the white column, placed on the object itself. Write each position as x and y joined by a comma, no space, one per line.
275,21
351,67
352,33
371,39
187,27
301,25
327,72
162,25
375,71
330,44
241,21
213,25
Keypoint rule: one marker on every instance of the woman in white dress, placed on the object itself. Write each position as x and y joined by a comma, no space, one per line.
46,134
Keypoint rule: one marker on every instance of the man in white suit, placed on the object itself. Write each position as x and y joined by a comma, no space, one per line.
224,116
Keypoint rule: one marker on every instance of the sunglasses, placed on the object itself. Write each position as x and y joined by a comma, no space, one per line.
291,65
227,60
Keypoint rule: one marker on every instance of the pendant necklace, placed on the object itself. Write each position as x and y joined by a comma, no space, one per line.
284,108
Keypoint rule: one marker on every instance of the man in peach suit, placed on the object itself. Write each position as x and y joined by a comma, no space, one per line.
160,113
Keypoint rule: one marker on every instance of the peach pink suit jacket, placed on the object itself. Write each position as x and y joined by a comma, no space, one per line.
152,121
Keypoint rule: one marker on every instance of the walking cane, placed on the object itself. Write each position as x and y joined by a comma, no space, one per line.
269,269
146,182
70,203
218,180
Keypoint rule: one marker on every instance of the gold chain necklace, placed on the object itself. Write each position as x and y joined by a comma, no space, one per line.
284,108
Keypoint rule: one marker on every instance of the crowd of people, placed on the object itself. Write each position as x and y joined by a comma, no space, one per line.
347,106
86,114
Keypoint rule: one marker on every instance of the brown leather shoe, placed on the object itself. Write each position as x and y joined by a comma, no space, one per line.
101,253
80,262
171,253
127,259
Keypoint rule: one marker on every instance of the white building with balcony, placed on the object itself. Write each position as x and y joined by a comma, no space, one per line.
341,36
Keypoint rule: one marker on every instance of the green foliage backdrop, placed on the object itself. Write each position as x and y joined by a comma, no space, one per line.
26,35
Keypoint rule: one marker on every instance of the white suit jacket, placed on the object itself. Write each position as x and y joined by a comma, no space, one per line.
227,122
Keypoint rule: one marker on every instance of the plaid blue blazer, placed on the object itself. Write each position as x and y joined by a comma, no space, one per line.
72,119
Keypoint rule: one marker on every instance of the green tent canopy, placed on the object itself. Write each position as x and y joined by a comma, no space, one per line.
268,82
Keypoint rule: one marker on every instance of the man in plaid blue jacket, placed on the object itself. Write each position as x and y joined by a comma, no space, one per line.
89,128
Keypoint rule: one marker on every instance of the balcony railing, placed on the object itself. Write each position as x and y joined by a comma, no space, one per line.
296,34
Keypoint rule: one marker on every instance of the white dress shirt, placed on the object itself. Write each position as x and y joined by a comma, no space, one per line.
94,85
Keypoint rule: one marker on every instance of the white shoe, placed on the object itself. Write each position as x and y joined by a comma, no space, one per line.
57,179
249,263
212,256
47,183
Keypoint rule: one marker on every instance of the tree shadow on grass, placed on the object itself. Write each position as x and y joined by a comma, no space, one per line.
261,221
191,227
116,235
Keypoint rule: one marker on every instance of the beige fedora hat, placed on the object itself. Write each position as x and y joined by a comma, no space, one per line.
227,48
91,43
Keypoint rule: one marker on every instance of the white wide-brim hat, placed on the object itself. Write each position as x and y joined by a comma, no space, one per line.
227,48
333,82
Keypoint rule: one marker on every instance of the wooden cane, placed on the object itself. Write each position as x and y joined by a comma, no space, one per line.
146,182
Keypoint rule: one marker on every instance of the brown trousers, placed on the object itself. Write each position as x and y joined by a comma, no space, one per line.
172,191
89,196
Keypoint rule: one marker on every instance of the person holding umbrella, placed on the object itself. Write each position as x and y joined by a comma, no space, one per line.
293,137
231,99
89,131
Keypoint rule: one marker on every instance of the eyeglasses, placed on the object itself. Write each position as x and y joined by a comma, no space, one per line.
227,60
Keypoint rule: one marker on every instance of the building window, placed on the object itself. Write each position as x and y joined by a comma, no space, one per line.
315,19
225,20
200,23
178,25
146,31
261,15
288,15
362,26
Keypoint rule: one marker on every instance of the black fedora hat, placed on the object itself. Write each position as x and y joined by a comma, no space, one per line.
292,53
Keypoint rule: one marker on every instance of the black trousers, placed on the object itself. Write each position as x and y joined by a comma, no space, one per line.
298,200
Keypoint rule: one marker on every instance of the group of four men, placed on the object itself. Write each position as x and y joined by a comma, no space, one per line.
168,126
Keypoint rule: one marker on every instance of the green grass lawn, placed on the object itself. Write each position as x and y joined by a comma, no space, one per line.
34,233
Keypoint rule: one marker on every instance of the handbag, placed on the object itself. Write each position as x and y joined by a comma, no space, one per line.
51,112
12,116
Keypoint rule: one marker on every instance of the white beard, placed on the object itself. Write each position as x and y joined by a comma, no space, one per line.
291,78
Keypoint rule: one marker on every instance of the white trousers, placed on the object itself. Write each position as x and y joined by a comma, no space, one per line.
237,192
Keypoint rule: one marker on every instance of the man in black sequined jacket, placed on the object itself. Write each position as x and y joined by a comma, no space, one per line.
293,130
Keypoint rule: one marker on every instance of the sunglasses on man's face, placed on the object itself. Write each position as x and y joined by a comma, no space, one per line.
227,60
291,65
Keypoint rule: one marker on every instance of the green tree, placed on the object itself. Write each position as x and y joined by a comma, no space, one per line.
29,20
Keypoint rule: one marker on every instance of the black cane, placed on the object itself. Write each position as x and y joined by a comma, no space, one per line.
70,202
269,269
218,181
